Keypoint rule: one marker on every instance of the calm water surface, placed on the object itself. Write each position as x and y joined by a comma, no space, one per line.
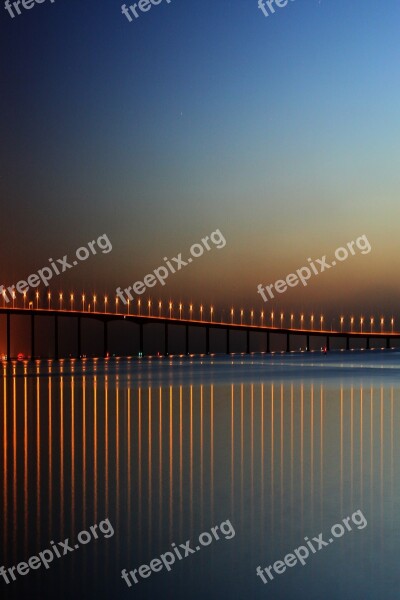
283,447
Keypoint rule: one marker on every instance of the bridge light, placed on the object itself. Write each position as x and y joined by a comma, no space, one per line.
71,298
105,303
272,319
241,316
37,299
322,320
301,320
291,320
159,308
281,320
24,299
94,302
211,313
60,296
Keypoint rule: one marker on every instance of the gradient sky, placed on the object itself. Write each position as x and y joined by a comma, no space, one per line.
282,131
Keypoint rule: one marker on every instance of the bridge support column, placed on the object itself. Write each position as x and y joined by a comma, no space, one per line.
79,338
248,341
141,339
348,343
8,336
327,343
32,336
187,340
268,343
166,339
227,342
308,343
55,337
368,344
387,343
207,340
105,338
287,342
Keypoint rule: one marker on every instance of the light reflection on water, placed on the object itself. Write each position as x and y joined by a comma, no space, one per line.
282,457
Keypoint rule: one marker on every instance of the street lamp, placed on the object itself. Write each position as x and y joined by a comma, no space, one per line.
149,306
341,324
382,323
372,323
191,311
94,302
37,300
301,321
291,320
392,323
262,318
71,298
61,299
232,313
139,303
13,299
351,323
322,320
211,313
180,310
116,305
24,299
159,308
312,321
251,316
241,316
49,298
170,309
83,302
201,312
281,320
361,323
272,319
105,303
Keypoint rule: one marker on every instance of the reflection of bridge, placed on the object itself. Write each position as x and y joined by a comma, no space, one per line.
141,320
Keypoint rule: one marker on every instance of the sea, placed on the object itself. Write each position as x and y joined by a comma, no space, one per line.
269,476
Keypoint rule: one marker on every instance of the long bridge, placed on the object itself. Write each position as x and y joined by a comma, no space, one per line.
55,314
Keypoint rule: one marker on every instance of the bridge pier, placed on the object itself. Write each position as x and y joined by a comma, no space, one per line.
248,341
387,343
287,342
79,338
8,336
347,342
308,343
207,340
55,337
105,338
32,336
368,344
268,343
166,339
141,339
327,343
227,341
187,340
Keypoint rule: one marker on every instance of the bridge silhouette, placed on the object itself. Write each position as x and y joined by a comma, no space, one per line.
167,321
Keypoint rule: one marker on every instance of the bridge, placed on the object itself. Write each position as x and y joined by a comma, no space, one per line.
385,338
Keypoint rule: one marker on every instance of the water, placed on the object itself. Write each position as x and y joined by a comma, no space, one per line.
277,448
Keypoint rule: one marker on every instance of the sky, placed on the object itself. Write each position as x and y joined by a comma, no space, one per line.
280,131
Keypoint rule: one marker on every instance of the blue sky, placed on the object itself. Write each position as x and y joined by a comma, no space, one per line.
281,131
